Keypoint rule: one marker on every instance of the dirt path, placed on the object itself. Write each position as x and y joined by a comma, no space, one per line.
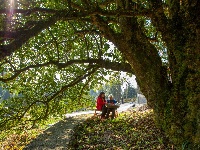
57,136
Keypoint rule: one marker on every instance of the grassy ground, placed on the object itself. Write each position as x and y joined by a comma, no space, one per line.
130,131
17,139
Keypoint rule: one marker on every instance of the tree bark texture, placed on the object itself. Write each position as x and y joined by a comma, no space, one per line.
175,101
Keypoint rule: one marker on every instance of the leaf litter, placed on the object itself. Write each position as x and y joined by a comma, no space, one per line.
130,131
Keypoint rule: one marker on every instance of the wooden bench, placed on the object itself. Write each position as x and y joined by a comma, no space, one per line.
97,113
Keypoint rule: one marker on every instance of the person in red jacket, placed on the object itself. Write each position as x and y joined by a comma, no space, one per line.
101,104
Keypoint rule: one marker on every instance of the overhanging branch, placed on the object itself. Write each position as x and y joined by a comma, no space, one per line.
115,66
7,50
25,33
27,11
158,17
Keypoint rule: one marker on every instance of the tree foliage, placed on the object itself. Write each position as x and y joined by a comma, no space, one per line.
129,92
51,52
112,86
53,60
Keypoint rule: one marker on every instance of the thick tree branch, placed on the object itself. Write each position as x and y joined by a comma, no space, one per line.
18,72
158,17
25,33
104,28
28,11
122,13
116,66
7,50
83,32
8,34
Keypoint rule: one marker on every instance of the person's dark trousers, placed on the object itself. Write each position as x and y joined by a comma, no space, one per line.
104,111
108,112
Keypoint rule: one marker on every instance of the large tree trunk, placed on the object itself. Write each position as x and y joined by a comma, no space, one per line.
176,102
182,113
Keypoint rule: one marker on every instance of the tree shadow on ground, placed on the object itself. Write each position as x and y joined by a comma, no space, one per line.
55,137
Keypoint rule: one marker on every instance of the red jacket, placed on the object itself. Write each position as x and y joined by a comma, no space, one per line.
100,103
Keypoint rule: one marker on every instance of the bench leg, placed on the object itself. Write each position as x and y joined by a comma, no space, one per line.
116,113
97,114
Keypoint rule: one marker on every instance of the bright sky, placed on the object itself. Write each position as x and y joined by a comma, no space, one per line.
130,80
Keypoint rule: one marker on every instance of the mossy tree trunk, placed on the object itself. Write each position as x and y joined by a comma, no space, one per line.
182,114
175,102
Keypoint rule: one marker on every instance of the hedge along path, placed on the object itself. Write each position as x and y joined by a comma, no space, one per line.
57,136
